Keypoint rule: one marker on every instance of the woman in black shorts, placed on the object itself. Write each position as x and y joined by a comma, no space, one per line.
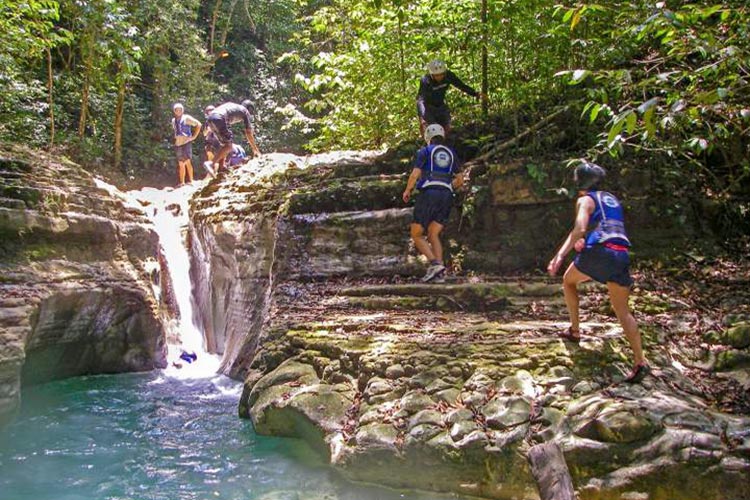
602,256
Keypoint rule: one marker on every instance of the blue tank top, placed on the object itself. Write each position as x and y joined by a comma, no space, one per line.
182,128
438,165
608,219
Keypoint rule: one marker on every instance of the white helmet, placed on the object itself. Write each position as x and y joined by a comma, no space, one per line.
433,130
436,67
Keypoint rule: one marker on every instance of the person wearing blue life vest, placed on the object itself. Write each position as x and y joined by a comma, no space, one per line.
436,174
237,156
431,106
602,256
186,129
221,118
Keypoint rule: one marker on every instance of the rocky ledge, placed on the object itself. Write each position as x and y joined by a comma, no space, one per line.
309,291
77,277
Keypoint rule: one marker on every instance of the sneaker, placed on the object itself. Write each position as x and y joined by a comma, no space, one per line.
638,374
432,272
440,278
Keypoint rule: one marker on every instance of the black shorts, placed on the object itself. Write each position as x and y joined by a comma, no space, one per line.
219,125
184,152
433,205
605,264
435,114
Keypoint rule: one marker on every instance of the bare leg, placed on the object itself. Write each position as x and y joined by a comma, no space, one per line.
189,169
433,237
221,154
417,235
181,171
570,290
618,296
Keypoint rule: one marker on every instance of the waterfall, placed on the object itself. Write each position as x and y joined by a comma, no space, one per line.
168,210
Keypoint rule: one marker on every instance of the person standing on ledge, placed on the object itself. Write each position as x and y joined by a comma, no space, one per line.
435,174
221,118
431,106
602,256
186,129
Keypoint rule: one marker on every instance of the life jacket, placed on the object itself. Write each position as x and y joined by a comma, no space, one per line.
182,128
237,155
439,168
609,220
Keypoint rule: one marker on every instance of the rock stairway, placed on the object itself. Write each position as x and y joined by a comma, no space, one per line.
441,387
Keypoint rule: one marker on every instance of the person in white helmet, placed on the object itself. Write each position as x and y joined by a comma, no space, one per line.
436,174
186,129
431,106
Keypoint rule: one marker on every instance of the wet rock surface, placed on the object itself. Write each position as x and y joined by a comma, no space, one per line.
77,275
445,387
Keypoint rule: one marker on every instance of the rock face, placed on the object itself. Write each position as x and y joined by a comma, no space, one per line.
307,290
76,267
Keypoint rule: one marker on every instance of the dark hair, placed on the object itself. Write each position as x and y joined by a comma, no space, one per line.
438,139
248,104
588,175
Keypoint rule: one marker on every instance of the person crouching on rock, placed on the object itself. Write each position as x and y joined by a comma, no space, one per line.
602,256
221,118
435,174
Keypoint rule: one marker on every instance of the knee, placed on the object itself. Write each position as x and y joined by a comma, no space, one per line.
416,231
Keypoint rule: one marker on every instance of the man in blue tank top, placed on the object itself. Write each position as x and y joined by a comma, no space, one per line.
186,129
435,174
431,106
602,256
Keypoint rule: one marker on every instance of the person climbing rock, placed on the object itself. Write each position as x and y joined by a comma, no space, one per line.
602,256
219,121
211,142
431,106
186,129
236,156
435,174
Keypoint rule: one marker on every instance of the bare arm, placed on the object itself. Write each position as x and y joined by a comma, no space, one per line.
416,173
584,209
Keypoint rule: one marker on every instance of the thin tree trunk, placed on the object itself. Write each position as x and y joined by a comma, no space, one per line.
401,49
84,99
119,112
212,30
228,25
485,69
51,99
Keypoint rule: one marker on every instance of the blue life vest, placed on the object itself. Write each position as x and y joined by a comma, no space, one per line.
182,128
439,167
237,155
609,220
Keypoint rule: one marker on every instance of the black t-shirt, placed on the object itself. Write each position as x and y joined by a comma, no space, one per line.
432,92
234,113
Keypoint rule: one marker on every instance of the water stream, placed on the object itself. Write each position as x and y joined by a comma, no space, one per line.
166,435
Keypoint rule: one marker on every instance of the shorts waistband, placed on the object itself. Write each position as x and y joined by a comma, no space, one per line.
615,246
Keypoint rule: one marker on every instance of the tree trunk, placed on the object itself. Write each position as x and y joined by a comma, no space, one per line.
51,99
85,99
212,29
485,41
551,472
119,112
228,25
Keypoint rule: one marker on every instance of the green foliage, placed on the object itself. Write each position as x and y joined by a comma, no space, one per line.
367,58
670,81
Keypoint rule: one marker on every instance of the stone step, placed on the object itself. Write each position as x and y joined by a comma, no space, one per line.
440,302
345,195
349,170
479,291
13,203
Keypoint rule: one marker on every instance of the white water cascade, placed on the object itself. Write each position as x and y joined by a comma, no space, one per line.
168,210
